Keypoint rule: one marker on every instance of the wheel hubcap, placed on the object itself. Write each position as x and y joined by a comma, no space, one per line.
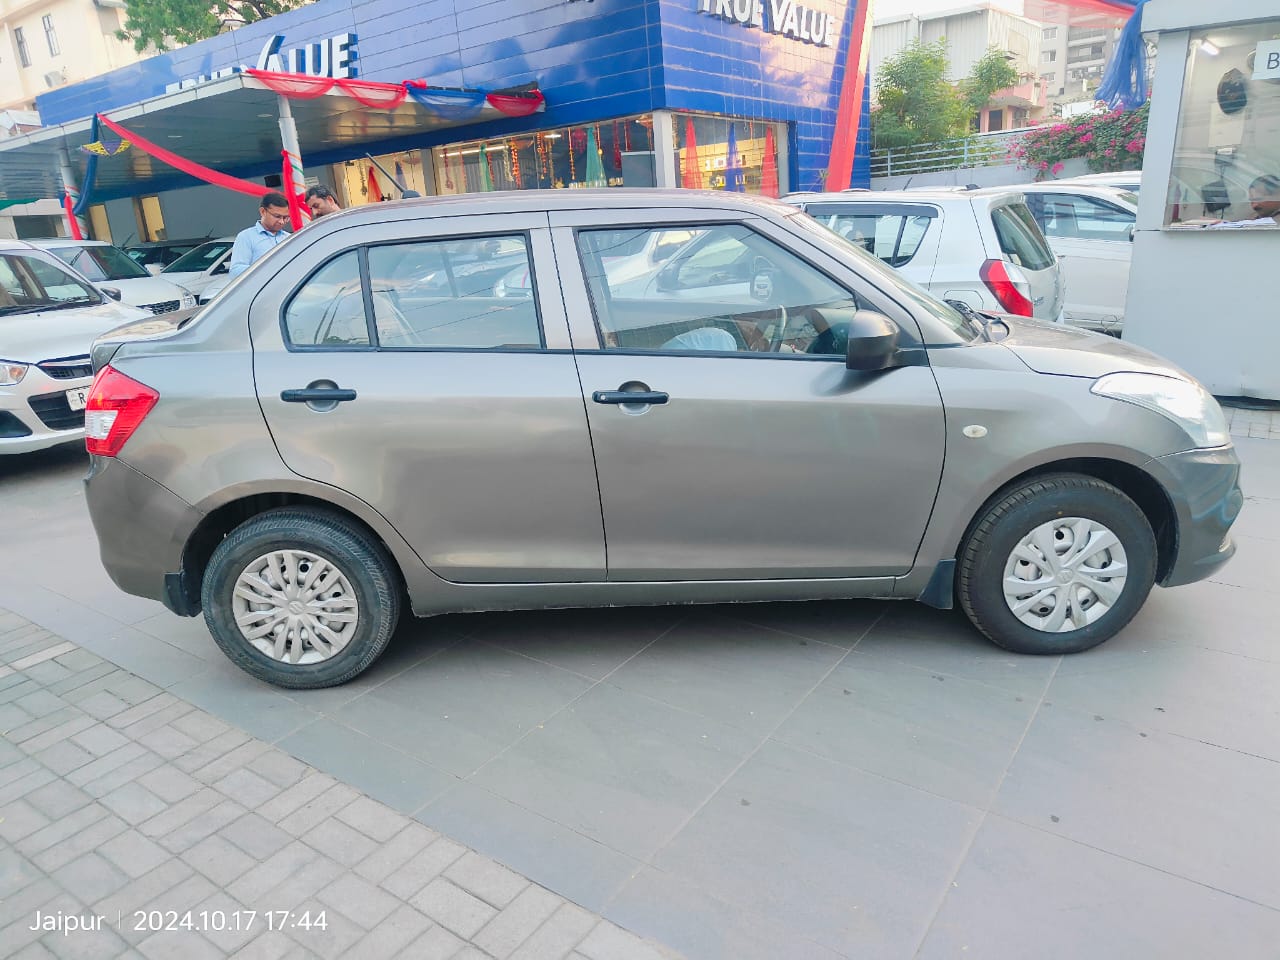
295,606
1065,575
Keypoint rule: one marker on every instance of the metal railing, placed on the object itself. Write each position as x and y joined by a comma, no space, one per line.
979,150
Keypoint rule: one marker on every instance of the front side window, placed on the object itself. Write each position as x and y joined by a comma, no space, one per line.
28,284
726,289
1226,162
1020,238
892,236
1080,218
200,259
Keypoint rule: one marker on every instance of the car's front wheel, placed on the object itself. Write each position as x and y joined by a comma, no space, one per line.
1057,565
300,598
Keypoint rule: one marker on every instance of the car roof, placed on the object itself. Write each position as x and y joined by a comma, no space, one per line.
51,242
149,244
921,195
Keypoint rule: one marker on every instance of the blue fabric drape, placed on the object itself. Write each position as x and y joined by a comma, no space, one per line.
90,171
449,104
1124,84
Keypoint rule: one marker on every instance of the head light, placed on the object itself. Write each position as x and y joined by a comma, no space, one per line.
1185,402
12,372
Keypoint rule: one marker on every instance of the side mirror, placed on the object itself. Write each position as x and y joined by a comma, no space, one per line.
873,342
1132,231
111,292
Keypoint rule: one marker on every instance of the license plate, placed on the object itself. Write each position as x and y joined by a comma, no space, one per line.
77,397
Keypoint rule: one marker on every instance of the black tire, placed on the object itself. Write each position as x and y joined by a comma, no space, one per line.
1013,515
364,563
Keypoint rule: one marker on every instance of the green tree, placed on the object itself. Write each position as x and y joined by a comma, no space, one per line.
161,24
917,104
991,73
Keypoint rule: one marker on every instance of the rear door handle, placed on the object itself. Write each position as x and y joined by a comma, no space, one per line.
317,395
629,396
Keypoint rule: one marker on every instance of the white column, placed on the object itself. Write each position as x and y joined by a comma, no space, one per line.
70,184
288,131
664,150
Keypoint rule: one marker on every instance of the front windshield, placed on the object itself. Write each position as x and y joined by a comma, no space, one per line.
101,263
29,284
948,314
200,259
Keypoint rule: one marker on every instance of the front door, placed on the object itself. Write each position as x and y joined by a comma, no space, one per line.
730,440
388,368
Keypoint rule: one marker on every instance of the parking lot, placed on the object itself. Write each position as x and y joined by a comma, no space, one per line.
829,779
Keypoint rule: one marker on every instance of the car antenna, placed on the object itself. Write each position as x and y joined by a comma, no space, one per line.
404,192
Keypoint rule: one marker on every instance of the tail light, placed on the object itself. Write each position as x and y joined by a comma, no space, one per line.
116,406
1008,285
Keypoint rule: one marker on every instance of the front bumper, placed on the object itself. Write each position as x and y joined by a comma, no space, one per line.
141,527
1204,489
35,413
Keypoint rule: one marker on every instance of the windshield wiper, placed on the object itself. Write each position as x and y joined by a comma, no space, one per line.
982,320
15,308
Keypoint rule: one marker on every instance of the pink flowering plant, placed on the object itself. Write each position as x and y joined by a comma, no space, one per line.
1106,141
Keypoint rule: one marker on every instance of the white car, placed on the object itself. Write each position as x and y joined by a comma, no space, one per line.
978,247
197,269
49,317
114,270
630,254
1129,180
1090,228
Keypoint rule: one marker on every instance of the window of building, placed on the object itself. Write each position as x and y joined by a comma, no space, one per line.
726,289
1226,167
20,41
50,34
1048,77
1050,33
559,157
1049,56
705,160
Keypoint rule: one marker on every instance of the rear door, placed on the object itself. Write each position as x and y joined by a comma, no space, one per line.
386,367
1092,238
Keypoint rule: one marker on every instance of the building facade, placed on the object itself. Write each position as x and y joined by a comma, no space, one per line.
47,44
970,32
652,92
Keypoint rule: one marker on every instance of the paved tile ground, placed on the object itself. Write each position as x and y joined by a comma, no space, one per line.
1256,424
139,825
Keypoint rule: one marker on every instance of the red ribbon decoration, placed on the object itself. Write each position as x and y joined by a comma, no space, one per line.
517,106
301,86
72,225
188,167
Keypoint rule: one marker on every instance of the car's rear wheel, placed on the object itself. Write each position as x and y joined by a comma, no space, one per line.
300,598
1057,565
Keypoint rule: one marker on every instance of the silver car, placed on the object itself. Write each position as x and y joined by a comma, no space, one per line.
332,441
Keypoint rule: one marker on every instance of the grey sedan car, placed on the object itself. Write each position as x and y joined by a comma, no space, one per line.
332,441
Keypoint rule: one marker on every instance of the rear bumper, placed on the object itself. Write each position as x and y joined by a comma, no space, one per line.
141,528
1204,488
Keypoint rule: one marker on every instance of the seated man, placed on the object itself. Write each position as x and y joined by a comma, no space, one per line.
703,338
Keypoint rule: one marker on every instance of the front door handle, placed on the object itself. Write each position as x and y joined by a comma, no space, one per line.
629,396
317,395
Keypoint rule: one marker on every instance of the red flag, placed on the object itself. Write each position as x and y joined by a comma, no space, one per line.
692,179
375,192
769,167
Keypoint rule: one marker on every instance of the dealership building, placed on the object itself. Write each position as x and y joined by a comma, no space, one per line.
453,96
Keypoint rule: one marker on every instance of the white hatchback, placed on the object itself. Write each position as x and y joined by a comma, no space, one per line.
1090,228
977,247
114,270
198,269
49,317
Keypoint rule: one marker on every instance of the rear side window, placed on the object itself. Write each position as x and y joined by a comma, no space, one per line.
894,237
1082,218
1021,241
431,294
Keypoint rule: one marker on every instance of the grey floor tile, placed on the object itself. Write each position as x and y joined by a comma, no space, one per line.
839,622
257,708
943,641
942,734
855,861
1253,566
1026,893
732,671
462,707
1216,616
577,867
385,773
1261,514
186,633
1208,695
684,917
589,642
1169,802
619,768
